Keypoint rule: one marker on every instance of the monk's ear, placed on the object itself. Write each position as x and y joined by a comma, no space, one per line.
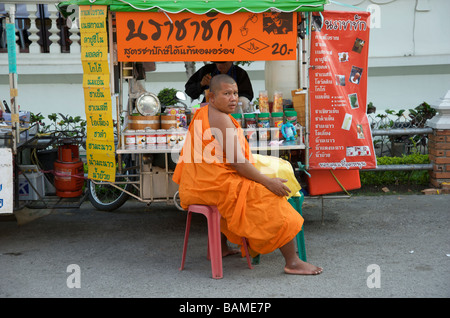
211,96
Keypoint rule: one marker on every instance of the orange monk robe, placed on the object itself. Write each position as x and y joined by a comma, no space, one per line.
248,208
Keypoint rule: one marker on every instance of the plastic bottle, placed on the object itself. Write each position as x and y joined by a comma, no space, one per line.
291,117
277,122
250,125
250,120
263,126
277,101
238,118
264,120
263,102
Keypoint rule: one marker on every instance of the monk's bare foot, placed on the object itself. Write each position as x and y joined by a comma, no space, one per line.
302,268
226,251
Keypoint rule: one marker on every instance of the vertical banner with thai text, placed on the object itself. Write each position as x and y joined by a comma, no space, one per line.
340,135
100,149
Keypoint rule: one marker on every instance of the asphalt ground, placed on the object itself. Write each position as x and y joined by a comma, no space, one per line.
390,246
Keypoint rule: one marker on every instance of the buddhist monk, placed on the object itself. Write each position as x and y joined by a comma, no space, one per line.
215,168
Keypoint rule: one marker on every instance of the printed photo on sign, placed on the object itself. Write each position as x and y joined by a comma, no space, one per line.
353,99
355,75
347,123
277,22
358,151
340,80
358,45
360,131
343,57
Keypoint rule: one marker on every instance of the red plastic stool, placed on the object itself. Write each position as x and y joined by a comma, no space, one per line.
214,242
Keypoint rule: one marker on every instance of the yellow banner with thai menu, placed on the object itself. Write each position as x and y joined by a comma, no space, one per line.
100,148
94,39
97,106
93,67
97,94
92,53
95,80
102,167
100,124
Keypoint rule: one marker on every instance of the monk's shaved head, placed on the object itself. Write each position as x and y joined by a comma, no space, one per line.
217,80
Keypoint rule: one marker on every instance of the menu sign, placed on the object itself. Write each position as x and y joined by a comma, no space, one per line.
97,94
340,135
242,36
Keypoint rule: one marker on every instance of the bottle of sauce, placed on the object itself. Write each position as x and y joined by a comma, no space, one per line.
263,126
277,122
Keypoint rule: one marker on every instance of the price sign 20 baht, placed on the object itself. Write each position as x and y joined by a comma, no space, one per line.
243,36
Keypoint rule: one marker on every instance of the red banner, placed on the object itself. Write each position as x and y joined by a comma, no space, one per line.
242,36
340,135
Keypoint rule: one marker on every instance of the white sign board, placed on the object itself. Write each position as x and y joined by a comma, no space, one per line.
6,181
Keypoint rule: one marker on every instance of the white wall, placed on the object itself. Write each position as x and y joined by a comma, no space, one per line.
46,98
409,51
406,91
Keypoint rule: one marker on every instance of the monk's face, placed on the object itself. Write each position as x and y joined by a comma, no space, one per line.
225,99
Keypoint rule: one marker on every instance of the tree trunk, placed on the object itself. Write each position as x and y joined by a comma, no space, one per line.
190,68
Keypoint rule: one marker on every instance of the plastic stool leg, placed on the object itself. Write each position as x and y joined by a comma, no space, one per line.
297,202
186,237
301,234
215,247
256,260
247,255
212,215
301,245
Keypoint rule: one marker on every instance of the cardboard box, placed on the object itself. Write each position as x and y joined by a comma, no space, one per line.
156,180
299,104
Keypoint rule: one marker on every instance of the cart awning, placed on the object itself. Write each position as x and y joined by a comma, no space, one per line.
201,6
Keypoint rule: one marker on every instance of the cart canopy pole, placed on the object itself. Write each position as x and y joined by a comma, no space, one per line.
11,42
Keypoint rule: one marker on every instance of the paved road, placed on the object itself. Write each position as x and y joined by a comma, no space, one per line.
398,245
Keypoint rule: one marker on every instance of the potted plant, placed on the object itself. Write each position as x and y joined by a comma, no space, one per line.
167,97
371,109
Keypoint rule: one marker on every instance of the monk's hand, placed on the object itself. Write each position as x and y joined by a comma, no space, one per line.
277,186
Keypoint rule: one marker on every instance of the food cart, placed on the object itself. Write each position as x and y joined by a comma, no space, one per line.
119,39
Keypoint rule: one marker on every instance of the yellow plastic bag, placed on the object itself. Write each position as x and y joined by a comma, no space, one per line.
275,167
